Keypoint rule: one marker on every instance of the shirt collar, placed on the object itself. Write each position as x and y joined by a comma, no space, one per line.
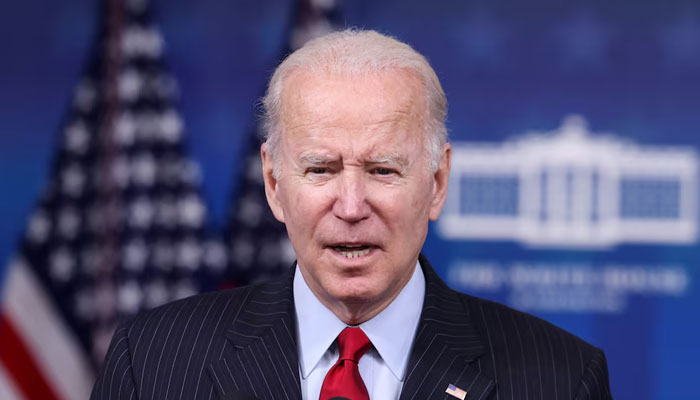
391,331
317,326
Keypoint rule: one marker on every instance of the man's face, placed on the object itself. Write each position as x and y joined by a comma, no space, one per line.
355,188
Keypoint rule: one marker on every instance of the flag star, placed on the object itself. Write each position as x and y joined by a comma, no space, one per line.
68,222
77,137
287,250
242,252
184,288
130,85
62,264
145,42
191,211
129,297
144,169
170,126
681,41
148,124
254,169
141,213
215,255
39,227
583,41
251,210
73,180
125,129
189,254
156,293
135,254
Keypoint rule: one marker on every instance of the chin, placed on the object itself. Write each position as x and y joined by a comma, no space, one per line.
351,293
355,298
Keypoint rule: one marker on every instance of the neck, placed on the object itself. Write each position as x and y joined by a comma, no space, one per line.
356,310
355,313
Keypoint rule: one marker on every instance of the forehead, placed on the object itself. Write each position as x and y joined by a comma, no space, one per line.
379,100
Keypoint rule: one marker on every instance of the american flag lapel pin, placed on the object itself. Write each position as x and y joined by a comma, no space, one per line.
453,390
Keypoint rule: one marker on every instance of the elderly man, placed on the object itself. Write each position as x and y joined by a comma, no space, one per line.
356,163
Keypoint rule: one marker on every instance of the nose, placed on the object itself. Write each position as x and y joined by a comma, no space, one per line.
351,199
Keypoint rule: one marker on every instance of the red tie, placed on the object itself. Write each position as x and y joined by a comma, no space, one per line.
343,379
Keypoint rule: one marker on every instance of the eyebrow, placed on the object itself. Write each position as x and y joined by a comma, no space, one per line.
314,158
391,158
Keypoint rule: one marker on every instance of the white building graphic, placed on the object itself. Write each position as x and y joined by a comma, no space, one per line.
571,188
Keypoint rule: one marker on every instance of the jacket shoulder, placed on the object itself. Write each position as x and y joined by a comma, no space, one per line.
168,349
526,354
196,310
145,350
516,321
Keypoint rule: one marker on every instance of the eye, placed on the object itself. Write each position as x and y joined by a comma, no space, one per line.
318,170
384,171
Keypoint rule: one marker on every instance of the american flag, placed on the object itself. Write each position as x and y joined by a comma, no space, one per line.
454,391
258,245
120,226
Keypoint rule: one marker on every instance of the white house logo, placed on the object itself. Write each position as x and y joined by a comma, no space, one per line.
571,188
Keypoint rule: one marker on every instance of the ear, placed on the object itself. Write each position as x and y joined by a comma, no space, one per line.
271,183
440,179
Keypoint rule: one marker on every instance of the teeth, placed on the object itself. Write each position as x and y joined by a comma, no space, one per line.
355,253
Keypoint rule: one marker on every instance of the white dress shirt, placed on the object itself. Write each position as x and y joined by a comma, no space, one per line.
383,367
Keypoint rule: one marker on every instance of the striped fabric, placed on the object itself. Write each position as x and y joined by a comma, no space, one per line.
120,226
240,344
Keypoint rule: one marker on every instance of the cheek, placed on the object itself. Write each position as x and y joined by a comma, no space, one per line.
304,205
399,211
413,204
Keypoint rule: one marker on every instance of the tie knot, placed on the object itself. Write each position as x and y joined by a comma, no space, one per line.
352,344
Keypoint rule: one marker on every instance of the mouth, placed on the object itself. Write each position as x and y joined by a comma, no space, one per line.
352,250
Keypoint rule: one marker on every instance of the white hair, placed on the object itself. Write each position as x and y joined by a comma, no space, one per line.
355,52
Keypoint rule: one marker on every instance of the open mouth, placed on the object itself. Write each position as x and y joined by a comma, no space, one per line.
353,250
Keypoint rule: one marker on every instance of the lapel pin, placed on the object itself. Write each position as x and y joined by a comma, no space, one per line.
453,390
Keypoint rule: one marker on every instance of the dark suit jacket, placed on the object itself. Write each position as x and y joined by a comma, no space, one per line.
241,344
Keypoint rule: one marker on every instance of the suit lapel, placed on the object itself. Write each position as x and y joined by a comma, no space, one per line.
262,357
445,348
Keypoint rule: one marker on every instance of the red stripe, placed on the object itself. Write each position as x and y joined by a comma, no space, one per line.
20,364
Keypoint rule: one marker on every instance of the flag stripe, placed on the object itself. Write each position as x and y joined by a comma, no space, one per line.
58,356
8,388
21,364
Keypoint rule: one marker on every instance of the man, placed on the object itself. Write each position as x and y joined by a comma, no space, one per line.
356,162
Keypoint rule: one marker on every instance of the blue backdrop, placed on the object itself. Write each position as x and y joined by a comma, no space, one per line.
512,72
